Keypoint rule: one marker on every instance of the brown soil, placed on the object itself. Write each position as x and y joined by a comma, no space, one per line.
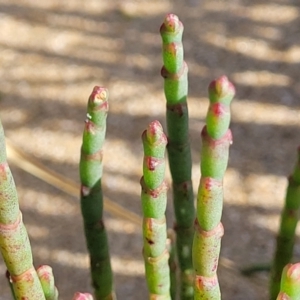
52,53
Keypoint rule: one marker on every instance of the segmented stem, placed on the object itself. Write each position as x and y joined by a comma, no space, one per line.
286,236
15,246
216,139
91,194
175,72
154,202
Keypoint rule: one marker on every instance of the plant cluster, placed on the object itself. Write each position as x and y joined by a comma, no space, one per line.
186,256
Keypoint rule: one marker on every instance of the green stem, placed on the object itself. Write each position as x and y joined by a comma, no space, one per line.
216,139
14,242
154,202
91,194
286,236
175,77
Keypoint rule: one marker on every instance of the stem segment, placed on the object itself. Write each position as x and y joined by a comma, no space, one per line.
15,246
154,202
175,72
91,194
286,235
216,139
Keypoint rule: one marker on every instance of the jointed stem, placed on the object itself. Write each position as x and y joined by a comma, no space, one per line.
286,235
175,77
91,194
15,246
216,139
154,202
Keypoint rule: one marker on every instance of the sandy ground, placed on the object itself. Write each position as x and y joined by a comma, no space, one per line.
52,53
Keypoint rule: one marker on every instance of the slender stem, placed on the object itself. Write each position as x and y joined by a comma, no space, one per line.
14,242
91,194
286,236
175,77
154,202
216,139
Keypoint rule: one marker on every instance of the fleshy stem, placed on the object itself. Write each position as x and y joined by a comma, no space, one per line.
290,283
91,194
175,72
154,202
15,246
216,139
286,236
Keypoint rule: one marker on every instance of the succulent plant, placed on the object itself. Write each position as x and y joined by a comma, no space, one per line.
188,252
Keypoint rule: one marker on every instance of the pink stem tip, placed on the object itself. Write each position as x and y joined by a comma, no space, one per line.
82,296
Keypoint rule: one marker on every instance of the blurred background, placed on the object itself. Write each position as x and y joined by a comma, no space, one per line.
52,54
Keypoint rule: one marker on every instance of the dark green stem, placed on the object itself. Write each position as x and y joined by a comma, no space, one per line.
286,236
91,194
